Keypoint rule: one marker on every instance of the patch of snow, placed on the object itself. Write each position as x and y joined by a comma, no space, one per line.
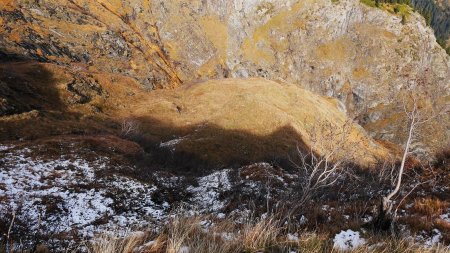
348,240
303,220
172,143
205,225
428,240
227,236
293,237
435,238
183,249
5,147
367,218
264,216
446,216
207,194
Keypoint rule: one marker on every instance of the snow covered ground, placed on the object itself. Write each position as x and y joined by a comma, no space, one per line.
78,196
446,216
71,195
64,195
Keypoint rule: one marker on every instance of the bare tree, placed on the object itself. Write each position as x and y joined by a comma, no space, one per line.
417,114
414,121
9,248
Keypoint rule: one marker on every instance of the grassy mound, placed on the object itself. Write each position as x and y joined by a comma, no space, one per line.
210,124
245,120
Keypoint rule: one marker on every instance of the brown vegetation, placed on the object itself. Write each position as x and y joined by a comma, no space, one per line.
210,124
265,235
430,206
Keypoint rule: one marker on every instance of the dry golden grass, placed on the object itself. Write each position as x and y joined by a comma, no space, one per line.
337,50
183,233
430,206
253,117
260,235
443,225
226,121
264,235
190,234
187,233
109,243
398,246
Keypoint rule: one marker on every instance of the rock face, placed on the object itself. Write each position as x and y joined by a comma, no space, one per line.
363,56
95,35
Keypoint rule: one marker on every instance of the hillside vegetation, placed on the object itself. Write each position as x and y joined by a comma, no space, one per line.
361,56
190,126
217,123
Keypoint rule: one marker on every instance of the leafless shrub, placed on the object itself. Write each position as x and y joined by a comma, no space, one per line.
321,171
387,173
316,173
129,128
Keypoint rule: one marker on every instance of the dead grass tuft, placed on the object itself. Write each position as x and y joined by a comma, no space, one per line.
110,243
184,233
430,206
260,235
204,234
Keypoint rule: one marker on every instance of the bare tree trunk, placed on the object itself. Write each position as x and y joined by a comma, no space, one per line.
402,165
386,219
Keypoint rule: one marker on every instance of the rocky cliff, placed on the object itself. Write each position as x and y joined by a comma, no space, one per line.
365,57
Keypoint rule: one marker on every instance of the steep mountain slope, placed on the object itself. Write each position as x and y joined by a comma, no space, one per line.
84,152
365,57
94,34
115,113
200,125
